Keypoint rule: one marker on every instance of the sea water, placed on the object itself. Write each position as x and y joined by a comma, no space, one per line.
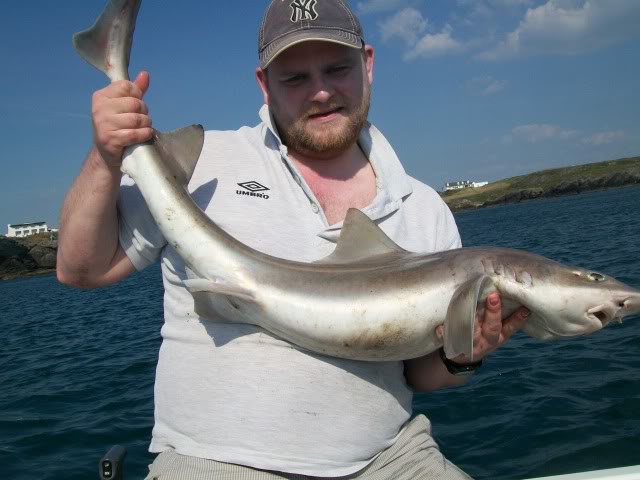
77,367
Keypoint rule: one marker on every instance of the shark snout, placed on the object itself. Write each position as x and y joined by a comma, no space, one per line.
615,310
630,306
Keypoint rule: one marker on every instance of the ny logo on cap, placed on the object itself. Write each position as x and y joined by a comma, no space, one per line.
303,10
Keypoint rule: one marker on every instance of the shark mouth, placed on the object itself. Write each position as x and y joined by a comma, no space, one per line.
606,313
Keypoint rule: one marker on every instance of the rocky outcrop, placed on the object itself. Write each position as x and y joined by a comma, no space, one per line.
571,186
28,256
586,184
517,196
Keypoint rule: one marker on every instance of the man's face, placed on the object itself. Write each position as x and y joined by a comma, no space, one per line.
319,94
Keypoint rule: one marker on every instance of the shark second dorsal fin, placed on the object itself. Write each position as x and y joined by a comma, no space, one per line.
360,238
180,150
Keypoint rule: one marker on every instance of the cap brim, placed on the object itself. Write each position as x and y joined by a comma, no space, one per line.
334,36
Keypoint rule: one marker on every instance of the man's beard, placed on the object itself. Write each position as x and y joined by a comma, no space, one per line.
323,142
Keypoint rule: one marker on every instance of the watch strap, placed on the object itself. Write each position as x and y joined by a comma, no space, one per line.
459,369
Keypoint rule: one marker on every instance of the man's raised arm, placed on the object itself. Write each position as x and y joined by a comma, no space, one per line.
89,252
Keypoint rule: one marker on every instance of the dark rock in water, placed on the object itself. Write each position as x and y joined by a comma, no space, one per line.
585,184
529,193
45,257
27,256
517,196
10,248
465,204
16,265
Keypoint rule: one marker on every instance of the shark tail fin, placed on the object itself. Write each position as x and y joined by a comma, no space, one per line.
459,324
180,150
107,44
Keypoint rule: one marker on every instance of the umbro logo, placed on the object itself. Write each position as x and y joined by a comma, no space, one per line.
253,189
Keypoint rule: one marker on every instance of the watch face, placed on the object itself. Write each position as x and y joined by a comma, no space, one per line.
464,372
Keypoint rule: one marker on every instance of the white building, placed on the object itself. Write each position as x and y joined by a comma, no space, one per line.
457,185
26,229
463,184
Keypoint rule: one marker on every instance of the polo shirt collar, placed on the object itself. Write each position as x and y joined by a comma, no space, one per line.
392,182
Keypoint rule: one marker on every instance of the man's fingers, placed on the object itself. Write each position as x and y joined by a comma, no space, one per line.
492,322
122,88
440,332
125,121
127,105
142,82
514,323
131,137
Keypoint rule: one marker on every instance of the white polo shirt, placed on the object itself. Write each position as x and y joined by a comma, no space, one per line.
234,393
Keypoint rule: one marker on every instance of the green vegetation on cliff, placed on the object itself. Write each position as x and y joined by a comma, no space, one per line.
548,183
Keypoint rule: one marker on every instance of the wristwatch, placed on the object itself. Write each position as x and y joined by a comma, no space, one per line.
459,369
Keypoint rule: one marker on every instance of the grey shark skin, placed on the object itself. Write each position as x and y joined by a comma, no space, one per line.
370,299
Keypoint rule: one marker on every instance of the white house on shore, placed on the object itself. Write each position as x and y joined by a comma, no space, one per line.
26,229
463,184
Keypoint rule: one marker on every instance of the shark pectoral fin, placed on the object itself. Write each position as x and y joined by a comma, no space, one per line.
460,320
106,45
181,150
196,285
360,238
217,300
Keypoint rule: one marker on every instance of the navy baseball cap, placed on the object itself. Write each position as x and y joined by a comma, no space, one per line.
289,22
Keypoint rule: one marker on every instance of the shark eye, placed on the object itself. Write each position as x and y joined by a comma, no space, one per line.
596,277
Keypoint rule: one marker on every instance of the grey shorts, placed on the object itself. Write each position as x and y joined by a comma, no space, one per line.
415,456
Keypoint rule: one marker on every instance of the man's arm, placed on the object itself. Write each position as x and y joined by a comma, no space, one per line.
428,373
89,253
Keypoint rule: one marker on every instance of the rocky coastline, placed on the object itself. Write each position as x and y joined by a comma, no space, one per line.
28,256
547,184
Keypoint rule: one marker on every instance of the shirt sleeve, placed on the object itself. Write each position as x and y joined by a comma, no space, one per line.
139,234
448,228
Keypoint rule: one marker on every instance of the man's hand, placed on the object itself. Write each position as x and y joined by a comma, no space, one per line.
120,118
490,330
428,373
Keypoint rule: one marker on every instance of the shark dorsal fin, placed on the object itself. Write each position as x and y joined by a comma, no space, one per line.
360,238
180,150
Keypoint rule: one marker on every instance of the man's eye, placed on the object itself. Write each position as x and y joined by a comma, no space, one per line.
292,81
340,70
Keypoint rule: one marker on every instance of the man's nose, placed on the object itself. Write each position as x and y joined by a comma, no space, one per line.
321,90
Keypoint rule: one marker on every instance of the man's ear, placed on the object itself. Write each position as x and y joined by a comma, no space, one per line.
369,58
263,82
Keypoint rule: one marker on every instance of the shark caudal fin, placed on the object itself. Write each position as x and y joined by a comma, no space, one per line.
459,323
107,44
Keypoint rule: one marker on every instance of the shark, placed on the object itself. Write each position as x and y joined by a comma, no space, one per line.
370,299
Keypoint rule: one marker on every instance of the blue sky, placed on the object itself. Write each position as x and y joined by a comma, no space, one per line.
463,89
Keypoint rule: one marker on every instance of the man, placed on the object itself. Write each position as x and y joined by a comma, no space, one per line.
232,401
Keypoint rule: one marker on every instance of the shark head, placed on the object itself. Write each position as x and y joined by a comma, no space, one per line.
576,301
609,300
